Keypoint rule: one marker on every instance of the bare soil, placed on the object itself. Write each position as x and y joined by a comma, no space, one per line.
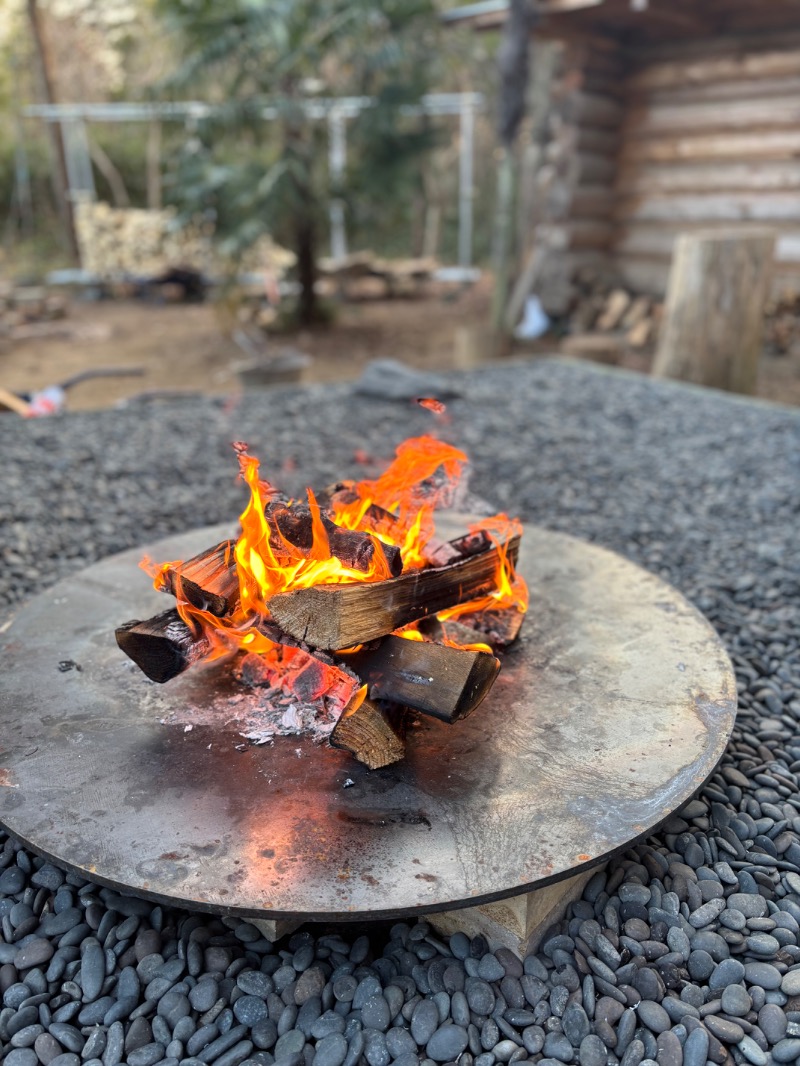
188,348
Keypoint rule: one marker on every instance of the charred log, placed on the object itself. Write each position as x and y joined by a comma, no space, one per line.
340,616
163,646
207,581
354,548
370,733
444,682
498,628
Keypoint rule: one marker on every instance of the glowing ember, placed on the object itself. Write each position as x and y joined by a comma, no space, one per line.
430,404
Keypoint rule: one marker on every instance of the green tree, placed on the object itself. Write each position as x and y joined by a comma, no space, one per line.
244,55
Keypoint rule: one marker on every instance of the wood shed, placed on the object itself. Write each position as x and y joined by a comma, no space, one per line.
665,116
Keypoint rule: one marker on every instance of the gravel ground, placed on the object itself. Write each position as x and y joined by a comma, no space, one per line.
685,950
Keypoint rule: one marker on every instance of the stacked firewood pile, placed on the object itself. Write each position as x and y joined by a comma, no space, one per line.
24,305
360,657
782,324
137,243
606,323
366,276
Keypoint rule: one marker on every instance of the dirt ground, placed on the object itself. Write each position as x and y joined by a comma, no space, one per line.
187,348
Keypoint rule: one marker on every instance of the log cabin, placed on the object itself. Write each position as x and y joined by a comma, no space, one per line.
665,116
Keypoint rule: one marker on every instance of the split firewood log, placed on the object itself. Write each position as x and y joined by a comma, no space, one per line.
333,617
371,733
444,682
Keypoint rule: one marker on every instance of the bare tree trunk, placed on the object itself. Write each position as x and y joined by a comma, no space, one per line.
47,89
305,249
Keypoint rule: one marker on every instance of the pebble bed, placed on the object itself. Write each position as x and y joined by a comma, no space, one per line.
685,950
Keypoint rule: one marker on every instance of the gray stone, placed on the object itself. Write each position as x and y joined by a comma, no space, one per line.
654,1016
592,1051
35,953
750,904
736,1001
762,974
490,969
330,1051
479,995
204,994
250,1010
772,1022
424,1021
763,944
723,1029
287,1045
786,1050
752,1052
695,1050
255,983
557,1046
388,379
148,1055
447,1043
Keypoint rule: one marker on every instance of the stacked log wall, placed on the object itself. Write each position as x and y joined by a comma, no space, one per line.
576,184
710,139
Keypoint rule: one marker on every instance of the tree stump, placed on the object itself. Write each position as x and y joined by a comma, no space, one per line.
713,320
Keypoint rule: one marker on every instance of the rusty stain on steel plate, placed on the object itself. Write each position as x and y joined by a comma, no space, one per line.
609,713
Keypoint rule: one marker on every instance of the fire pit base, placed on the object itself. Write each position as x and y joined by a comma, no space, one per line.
517,923
608,714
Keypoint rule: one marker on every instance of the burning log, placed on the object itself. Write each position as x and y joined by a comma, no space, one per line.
163,646
338,616
354,548
443,553
447,683
370,733
498,628
207,581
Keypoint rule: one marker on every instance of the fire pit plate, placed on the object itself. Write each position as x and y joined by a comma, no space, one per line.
610,712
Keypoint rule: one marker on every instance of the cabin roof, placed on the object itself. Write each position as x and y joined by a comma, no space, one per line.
647,21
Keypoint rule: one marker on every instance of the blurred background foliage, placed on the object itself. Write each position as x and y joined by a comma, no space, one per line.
254,176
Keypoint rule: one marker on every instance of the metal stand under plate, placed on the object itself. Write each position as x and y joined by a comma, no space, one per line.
608,714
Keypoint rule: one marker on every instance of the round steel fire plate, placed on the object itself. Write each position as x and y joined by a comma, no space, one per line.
614,706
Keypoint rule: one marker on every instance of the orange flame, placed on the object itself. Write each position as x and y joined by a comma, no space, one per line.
395,509
511,592
422,477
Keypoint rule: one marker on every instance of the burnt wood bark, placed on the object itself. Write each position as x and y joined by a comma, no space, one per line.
339,616
207,581
498,628
453,630
444,682
163,646
371,734
354,548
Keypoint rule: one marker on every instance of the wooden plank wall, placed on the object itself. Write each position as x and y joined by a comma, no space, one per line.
577,182
710,139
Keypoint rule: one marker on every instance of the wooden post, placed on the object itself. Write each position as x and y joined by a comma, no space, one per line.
154,165
712,331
